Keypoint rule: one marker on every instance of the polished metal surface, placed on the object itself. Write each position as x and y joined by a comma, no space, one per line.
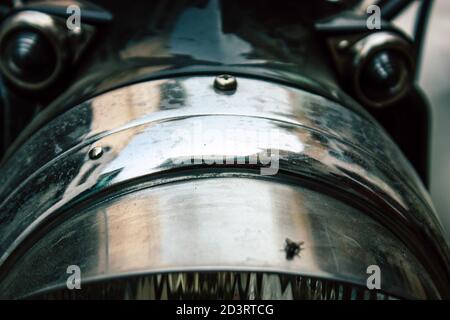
229,222
208,37
202,142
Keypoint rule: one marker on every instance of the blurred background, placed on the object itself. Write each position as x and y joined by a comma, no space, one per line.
435,81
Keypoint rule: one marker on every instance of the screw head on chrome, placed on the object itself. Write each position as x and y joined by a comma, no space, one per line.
225,82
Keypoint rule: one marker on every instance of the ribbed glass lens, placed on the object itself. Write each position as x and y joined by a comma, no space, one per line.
218,285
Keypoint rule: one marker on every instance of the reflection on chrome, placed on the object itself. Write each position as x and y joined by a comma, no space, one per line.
211,149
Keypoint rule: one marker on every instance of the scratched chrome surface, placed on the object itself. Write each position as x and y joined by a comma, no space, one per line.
143,128
220,223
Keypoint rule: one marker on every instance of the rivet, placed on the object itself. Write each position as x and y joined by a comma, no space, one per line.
95,153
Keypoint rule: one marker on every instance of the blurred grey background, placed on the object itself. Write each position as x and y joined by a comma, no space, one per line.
435,81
